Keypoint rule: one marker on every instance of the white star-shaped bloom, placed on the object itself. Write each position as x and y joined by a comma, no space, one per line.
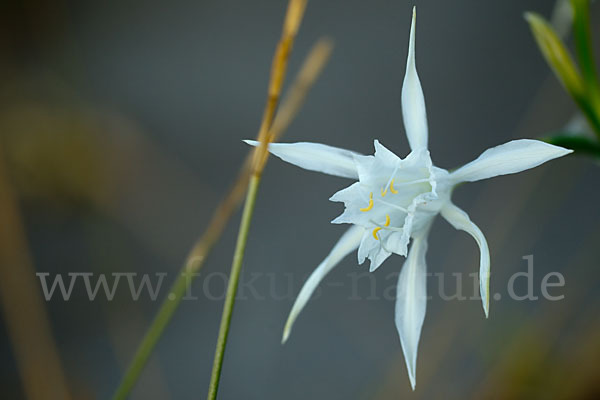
395,200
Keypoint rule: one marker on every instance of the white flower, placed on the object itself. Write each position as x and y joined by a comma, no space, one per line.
395,200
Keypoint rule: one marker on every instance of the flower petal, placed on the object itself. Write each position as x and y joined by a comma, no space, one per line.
385,155
347,243
508,158
460,220
315,157
411,303
413,101
371,249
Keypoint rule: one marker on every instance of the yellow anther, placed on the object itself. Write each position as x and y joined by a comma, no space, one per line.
370,204
387,220
392,187
375,232
383,192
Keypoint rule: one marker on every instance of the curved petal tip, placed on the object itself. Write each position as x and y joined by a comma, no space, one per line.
287,330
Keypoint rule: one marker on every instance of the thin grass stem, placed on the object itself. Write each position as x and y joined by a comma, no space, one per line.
236,268
288,110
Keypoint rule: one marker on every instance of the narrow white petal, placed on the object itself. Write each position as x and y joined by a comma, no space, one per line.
411,303
508,158
413,101
315,157
460,220
347,243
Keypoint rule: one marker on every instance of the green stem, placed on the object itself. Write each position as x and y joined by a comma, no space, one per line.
236,267
149,341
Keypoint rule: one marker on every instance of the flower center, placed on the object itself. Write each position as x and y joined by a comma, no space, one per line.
384,191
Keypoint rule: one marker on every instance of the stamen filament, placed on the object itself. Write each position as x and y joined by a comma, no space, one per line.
392,205
385,226
413,182
375,234
391,180
383,246
388,228
390,185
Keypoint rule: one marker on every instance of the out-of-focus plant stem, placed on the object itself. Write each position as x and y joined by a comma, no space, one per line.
583,43
27,322
585,56
583,86
557,56
193,263
289,108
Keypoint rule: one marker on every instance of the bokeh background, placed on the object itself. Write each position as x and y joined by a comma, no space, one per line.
121,125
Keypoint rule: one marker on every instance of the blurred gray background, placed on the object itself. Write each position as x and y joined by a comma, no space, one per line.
121,125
